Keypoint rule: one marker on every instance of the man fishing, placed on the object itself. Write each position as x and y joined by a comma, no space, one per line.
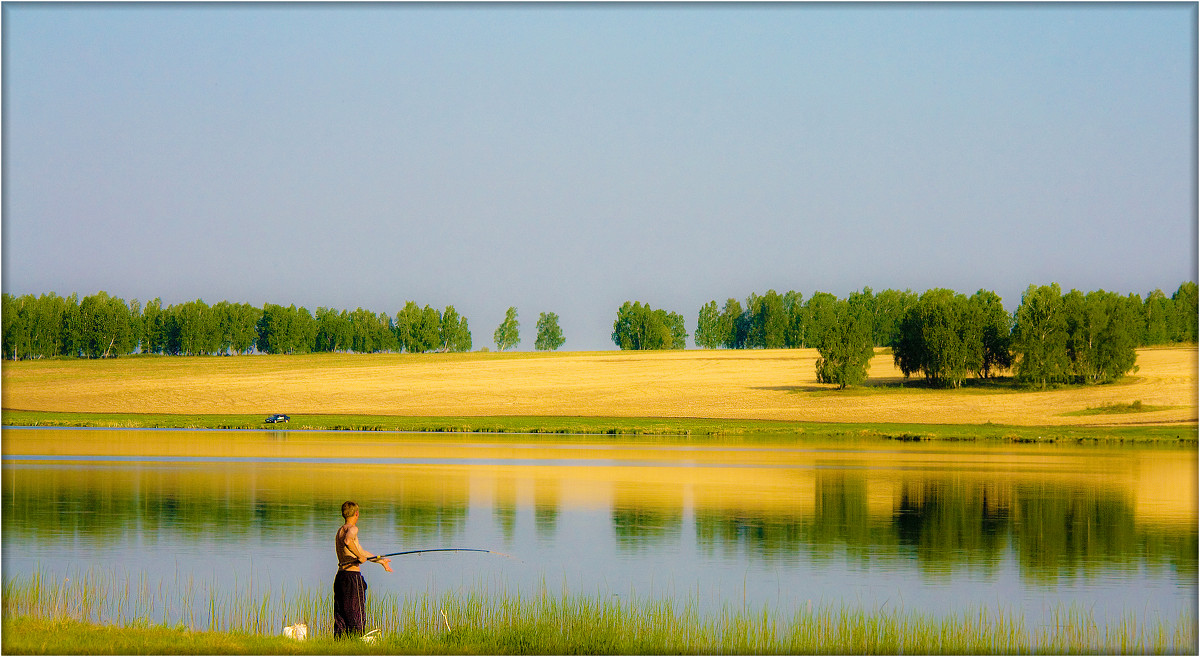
349,586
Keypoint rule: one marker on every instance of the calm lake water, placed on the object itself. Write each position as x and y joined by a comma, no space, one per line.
930,527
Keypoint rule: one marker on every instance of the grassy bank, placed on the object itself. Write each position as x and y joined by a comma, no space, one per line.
694,429
46,617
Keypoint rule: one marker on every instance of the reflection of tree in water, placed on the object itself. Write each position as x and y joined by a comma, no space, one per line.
105,505
951,523
763,535
504,508
943,522
946,523
546,497
429,508
842,519
1060,532
840,525
646,515
430,519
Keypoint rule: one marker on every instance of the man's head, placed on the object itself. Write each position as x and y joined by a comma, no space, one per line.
349,510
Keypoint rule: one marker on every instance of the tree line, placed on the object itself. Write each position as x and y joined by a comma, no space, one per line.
101,325
775,321
104,326
941,335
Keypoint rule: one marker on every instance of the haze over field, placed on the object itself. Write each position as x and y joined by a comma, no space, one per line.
570,158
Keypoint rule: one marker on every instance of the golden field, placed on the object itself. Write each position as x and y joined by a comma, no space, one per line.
751,384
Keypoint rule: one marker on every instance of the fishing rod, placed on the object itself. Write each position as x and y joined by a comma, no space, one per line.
396,554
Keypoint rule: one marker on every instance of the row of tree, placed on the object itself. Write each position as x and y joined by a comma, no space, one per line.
775,321
103,326
941,335
638,326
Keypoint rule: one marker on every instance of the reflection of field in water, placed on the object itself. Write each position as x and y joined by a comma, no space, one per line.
938,526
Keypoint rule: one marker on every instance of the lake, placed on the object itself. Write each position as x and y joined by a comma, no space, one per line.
784,521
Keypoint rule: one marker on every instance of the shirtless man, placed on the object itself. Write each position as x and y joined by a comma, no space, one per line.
349,587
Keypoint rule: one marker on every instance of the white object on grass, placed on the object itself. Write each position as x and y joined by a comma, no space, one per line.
299,631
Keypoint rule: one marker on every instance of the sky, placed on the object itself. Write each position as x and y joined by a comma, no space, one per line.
568,158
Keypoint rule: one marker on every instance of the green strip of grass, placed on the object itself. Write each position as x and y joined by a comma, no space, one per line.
1119,409
691,429
581,625
37,636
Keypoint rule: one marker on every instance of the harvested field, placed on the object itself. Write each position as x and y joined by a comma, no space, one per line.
757,384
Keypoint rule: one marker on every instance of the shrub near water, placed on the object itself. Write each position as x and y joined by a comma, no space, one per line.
474,622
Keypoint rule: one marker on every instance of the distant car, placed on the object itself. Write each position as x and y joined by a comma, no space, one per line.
277,417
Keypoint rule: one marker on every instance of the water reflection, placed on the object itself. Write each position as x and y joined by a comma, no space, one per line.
644,516
938,523
1055,516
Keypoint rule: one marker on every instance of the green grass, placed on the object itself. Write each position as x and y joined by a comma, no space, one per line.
691,429
1119,409
47,616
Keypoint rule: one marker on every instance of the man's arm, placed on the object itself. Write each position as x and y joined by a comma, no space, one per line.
361,553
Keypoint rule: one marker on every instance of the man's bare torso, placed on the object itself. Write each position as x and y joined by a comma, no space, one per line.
349,552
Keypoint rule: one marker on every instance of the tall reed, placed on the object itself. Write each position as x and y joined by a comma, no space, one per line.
476,621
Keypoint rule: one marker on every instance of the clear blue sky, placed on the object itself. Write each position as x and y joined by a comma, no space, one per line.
570,158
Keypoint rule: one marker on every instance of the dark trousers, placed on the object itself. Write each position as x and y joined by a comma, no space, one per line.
349,603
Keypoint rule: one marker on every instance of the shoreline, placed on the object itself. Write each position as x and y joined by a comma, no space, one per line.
560,428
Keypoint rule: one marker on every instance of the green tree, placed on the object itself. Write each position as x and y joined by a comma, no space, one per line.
708,325
549,335
508,334
793,308
1186,312
289,330
1159,312
13,324
995,326
418,330
845,349
106,325
407,319
1040,337
334,330
941,336
819,316
243,327
640,327
72,327
1101,335
456,335
36,327
890,306
767,322
1117,351
367,332
427,332
675,325
154,327
732,328
192,329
